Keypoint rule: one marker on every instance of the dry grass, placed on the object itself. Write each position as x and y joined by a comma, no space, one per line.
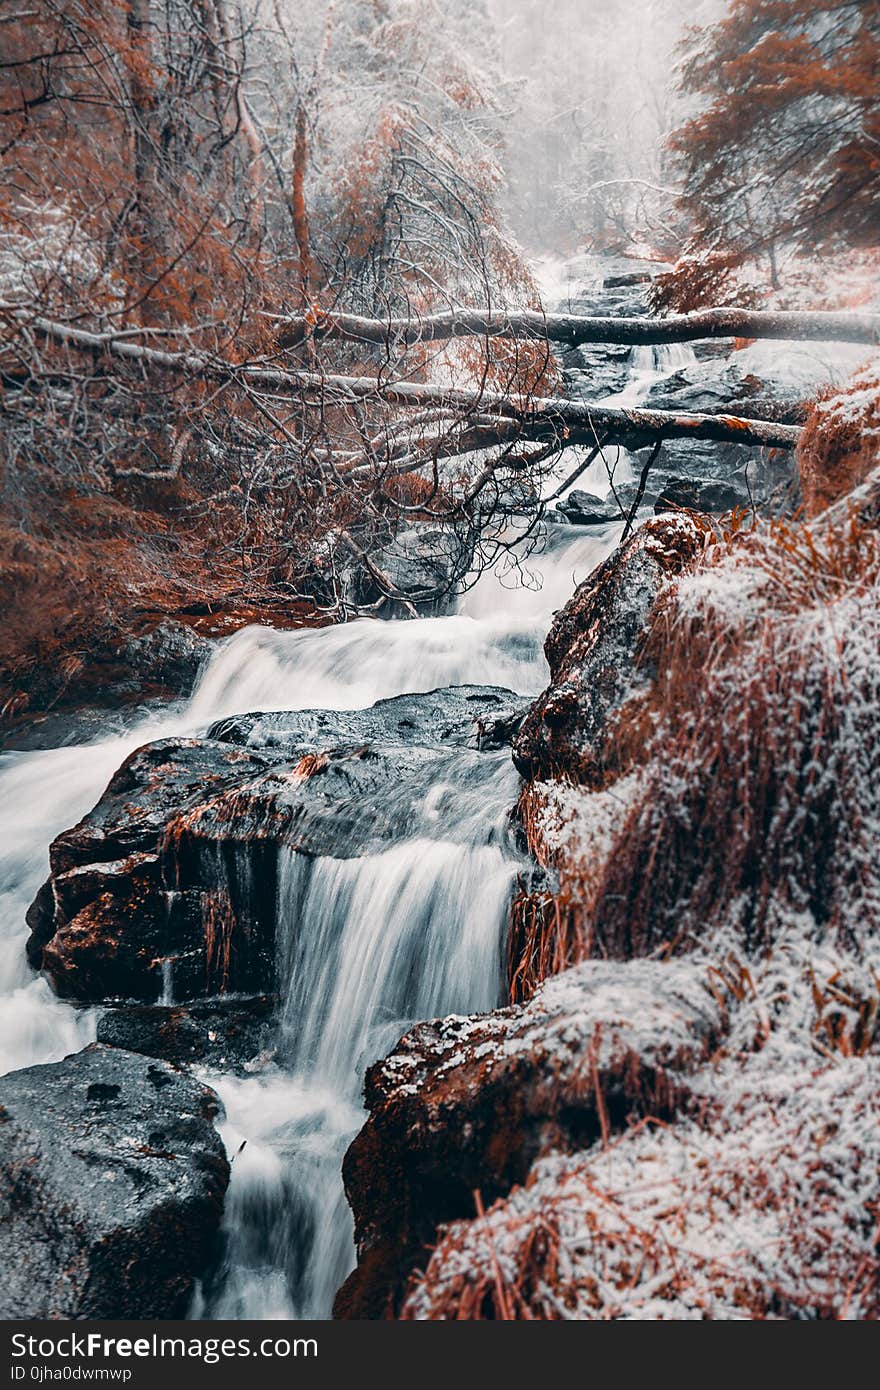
543,940
841,440
767,1210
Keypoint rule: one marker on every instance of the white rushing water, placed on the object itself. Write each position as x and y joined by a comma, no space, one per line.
367,946
649,365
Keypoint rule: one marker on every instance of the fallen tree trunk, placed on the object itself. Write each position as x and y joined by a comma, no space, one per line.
574,329
573,422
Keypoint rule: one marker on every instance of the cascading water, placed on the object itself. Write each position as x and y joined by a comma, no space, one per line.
649,365
367,945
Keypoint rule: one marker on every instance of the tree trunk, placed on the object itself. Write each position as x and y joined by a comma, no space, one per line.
573,329
299,207
535,418
144,253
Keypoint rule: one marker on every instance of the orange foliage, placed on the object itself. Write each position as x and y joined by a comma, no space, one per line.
840,444
784,152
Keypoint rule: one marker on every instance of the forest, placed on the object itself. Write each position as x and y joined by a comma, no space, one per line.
440,659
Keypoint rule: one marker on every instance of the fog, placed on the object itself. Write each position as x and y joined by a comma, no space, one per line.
590,89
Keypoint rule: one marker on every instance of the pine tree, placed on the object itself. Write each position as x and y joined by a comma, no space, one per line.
784,154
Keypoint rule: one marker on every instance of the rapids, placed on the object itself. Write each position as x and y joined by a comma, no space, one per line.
412,932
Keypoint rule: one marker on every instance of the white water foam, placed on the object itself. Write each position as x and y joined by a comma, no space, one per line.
417,929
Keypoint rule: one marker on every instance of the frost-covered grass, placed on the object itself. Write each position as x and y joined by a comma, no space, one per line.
755,788
741,839
841,442
767,1209
761,1201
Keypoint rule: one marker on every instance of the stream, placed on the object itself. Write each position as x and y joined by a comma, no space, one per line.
410,932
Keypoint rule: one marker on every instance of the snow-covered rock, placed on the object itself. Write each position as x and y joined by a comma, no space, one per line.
470,1103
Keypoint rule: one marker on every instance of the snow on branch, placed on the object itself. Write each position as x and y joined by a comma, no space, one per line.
574,329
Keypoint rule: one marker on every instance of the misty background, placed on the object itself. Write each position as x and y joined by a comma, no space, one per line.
590,91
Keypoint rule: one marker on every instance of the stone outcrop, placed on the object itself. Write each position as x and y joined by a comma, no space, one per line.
175,869
112,1180
584,509
725,387
593,650
468,1104
229,1033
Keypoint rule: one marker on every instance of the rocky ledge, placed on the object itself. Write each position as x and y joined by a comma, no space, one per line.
594,648
169,884
112,1180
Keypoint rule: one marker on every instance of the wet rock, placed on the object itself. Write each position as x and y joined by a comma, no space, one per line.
170,654
112,1180
632,277
468,1104
463,716
584,509
701,495
764,485
593,650
716,381
722,386
595,370
224,1032
117,910
424,563
66,727
175,869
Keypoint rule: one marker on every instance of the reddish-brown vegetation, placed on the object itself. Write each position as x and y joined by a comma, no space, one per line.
841,440
782,156
151,190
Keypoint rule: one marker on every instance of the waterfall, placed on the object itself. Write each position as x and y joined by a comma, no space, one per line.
366,945
649,365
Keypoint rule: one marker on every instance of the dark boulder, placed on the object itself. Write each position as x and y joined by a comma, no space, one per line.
584,509
230,1033
175,869
701,495
424,563
463,716
631,277
593,651
112,1180
722,386
130,889
595,370
169,655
